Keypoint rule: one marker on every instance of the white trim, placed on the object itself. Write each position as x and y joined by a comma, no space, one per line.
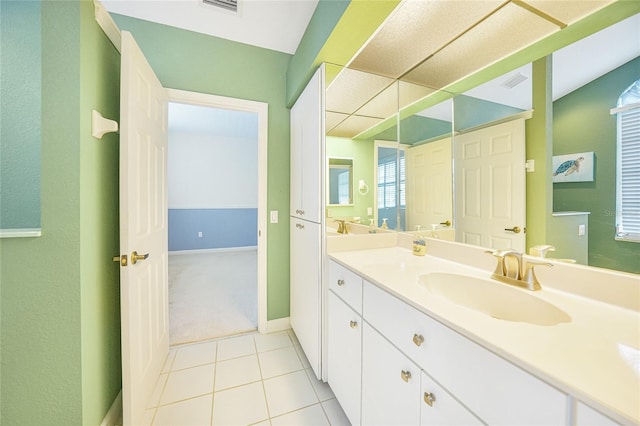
21,233
212,250
624,108
114,415
262,109
108,25
275,325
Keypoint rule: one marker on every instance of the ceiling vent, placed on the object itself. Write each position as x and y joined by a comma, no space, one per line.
230,5
514,80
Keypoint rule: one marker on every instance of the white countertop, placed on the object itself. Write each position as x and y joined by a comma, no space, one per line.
594,357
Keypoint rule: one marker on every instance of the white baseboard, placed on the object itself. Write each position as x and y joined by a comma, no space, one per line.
114,415
215,250
280,324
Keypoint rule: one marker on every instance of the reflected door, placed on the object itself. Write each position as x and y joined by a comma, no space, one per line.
490,186
429,184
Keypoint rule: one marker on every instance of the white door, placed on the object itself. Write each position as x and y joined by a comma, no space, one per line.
490,186
143,229
429,184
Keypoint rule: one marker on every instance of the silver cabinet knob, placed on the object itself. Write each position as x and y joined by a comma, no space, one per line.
429,398
405,375
353,324
340,282
418,339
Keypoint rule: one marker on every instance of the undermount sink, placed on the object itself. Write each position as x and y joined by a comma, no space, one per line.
493,298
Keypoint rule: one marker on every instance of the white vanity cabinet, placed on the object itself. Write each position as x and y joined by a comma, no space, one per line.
344,330
415,370
390,383
495,390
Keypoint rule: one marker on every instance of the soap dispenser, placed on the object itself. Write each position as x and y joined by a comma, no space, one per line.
419,244
384,223
372,228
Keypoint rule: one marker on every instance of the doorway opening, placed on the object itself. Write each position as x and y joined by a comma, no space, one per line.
216,199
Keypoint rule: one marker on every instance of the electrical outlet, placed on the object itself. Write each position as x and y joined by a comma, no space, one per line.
274,216
582,230
199,234
369,211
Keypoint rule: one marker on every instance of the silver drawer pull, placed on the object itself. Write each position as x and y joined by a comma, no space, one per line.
429,398
340,282
405,375
299,226
418,339
353,324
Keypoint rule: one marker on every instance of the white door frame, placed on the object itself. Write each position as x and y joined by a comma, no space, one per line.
261,108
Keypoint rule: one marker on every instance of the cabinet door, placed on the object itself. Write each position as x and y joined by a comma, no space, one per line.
344,351
438,407
305,288
390,383
307,139
587,416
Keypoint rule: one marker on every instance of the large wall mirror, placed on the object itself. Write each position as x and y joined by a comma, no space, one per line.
443,180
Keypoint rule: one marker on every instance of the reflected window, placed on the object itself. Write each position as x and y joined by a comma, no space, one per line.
387,183
628,164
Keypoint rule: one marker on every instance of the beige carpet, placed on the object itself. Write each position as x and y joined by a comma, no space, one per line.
212,295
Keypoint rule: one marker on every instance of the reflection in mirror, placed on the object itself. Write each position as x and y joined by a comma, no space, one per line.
340,185
427,138
489,158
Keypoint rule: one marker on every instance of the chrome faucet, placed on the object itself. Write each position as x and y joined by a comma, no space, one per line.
512,268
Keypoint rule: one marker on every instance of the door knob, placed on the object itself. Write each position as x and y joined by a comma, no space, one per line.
515,229
135,257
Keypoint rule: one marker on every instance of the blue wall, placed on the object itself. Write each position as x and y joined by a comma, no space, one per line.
221,228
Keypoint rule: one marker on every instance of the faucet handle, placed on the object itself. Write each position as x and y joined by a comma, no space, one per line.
529,275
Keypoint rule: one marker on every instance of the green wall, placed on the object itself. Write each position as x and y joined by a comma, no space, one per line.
582,123
362,154
60,327
20,85
195,62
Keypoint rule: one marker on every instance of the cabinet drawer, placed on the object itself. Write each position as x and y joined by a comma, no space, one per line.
439,408
346,284
587,416
494,389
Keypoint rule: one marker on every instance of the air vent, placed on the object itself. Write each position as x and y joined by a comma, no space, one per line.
514,80
231,5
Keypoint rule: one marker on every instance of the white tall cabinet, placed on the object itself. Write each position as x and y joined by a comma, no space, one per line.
307,296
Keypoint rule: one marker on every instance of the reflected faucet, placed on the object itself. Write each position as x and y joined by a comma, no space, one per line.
512,268
342,227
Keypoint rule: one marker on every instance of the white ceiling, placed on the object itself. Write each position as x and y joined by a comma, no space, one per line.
270,24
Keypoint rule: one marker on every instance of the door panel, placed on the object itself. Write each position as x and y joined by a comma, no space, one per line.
490,196
143,229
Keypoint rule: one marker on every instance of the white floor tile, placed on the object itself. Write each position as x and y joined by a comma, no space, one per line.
335,413
192,412
240,406
278,362
236,372
323,390
289,393
188,383
157,391
188,356
309,416
268,342
236,347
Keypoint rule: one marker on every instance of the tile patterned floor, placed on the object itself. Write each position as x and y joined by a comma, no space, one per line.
243,380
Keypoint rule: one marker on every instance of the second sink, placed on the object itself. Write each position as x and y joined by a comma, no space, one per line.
494,299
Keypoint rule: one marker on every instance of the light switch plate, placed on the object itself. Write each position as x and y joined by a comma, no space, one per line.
582,230
274,216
